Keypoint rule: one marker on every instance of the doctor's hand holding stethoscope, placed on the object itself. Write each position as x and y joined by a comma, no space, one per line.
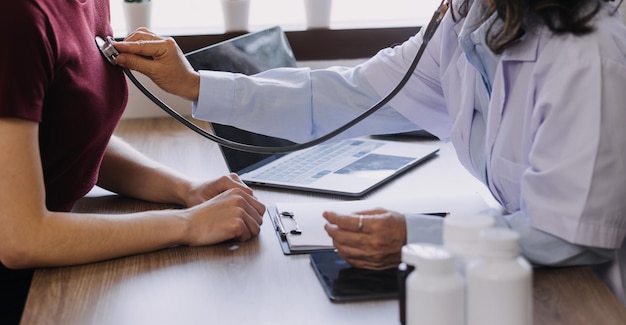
168,67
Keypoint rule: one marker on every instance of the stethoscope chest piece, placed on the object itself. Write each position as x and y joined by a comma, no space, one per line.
107,49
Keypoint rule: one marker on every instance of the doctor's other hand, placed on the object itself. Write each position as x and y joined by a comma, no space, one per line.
373,243
160,59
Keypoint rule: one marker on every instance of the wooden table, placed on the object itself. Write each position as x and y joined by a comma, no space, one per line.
253,282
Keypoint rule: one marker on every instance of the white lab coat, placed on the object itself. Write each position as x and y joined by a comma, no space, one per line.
555,137
555,140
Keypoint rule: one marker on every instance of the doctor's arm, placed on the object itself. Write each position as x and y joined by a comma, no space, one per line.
539,247
314,101
377,245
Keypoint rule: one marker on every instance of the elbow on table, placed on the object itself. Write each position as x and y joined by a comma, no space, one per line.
15,254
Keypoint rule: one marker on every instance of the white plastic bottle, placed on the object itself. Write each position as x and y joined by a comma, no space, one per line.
460,235
499,282
435,292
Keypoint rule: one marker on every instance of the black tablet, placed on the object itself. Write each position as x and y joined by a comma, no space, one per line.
344,283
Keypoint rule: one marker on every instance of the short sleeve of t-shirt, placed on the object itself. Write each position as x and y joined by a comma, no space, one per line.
25,66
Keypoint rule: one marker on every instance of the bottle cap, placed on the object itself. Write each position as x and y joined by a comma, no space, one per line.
458,227
428,258
499,242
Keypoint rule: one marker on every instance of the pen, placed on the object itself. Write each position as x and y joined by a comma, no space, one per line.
438,214
434,214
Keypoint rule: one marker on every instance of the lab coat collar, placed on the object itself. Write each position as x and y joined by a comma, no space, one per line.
525,50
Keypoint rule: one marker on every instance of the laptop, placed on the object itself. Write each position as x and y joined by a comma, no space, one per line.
350,167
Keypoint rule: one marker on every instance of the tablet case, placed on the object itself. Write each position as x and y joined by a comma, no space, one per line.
345,283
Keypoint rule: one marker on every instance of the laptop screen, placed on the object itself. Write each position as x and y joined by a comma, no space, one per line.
248,54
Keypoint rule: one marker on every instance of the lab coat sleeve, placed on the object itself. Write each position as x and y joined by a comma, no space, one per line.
424,229
539,248
298,104
422,100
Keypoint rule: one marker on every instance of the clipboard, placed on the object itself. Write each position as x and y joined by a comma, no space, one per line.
283,230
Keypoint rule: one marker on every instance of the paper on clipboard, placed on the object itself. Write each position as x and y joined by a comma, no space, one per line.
307,217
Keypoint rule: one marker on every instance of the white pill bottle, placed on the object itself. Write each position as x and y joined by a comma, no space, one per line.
461,236
499,281
435,291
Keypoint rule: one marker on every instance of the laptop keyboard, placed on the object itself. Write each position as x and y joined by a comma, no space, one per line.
309,165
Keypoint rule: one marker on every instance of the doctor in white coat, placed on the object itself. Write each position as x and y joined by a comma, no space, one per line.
534,106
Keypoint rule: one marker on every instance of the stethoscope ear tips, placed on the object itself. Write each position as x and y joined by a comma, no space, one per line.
107,49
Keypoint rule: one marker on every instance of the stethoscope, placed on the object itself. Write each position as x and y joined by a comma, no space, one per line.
110,53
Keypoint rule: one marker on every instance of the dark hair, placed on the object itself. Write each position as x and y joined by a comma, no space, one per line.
561,16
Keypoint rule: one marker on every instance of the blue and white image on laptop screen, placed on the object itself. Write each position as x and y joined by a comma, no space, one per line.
341,157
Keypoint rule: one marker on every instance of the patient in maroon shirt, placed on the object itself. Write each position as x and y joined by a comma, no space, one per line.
60,102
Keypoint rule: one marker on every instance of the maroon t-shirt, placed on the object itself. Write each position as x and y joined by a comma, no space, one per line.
51,72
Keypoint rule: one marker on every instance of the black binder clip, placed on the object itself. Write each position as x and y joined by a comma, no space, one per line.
280,226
